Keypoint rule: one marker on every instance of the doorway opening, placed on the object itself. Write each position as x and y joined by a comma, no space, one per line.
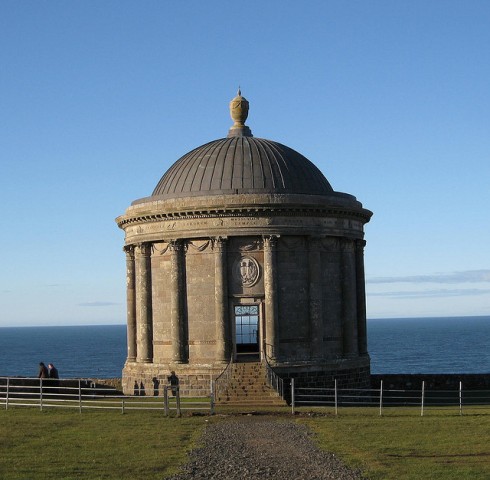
246,331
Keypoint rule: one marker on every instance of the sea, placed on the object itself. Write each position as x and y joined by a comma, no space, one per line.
408,345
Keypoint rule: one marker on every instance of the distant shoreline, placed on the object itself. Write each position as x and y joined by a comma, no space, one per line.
374,319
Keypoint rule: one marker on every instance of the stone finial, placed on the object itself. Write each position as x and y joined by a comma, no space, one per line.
239,113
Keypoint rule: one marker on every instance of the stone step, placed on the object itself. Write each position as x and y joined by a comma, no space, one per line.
248,386
248,380
271,401
247,394
254,402
268,396
257,383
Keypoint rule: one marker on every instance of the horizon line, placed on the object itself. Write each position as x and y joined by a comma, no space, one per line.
125,324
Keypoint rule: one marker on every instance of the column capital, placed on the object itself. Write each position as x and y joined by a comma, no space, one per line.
360,243
143,249
347,245
219,243
129,251
316,241
270,241
176,245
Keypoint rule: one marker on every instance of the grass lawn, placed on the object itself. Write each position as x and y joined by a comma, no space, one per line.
404,446
64,444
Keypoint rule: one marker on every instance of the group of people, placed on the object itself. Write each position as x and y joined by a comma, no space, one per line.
173,380
52,372
48,372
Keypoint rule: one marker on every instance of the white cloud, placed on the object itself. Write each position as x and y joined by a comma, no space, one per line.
469,276
97,304
462,292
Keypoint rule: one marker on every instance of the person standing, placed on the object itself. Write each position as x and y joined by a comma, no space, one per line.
53,371
53,378
43,371
174,382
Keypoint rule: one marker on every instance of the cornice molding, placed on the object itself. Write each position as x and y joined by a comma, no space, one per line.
280,211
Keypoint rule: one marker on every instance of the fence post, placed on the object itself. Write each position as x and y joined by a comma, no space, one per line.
165,399
178,401
423,395
80,395
336,399
381,398
7,399
292,396
211,399
461,398
41,393
122,405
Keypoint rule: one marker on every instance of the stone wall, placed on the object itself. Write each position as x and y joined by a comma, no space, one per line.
353,373
348,378
109,382
194,380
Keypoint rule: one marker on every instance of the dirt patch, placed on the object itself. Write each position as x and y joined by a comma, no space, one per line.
262,448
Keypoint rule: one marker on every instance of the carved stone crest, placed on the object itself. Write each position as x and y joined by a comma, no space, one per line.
247,271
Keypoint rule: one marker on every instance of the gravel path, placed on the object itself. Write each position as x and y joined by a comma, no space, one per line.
253,447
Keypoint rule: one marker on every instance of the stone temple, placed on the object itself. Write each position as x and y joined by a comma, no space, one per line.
244,250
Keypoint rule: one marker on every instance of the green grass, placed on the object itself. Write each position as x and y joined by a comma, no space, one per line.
404,446
64,444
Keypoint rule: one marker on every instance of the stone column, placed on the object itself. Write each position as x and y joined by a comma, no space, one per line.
221,300
315,291
177,301
361,298
271,300
349,303
332,293
144,317
131,302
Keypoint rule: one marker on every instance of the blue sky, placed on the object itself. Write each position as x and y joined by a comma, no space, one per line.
389,98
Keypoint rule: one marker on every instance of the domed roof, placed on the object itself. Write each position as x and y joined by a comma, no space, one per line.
242,164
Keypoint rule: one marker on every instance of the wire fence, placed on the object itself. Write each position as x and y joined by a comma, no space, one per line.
426,400
85,395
